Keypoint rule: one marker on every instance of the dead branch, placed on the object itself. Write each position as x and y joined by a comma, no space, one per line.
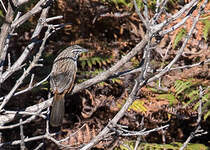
4,36
198,131
19,62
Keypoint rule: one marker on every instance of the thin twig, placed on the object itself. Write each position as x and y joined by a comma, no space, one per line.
139,14
22,137
198,131
26,72
27,50
30,87
3,6
39,146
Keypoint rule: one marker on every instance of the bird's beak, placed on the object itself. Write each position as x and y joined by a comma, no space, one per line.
84,50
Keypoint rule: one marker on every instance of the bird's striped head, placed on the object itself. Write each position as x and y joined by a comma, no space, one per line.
76,50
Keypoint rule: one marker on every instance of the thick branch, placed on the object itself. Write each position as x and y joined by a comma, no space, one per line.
37,8
5,29
27,50
111,71
26,72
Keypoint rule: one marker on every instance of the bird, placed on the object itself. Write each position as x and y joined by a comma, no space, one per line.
62,79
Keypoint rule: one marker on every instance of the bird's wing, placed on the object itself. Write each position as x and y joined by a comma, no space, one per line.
63,78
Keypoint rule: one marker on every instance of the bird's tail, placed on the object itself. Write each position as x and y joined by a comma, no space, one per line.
57,111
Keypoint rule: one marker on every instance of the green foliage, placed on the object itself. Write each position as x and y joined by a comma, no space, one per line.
1,17
189,89
180,86
44,86
206,29
92,73
117,80
170,97
95,60
187,92
1,13
138,106
151,4
155,90
129,145
129,3
206,106
124,2
179,36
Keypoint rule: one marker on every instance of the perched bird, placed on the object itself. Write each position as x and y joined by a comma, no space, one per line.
62,80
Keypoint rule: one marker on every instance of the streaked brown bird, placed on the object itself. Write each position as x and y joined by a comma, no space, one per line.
62,81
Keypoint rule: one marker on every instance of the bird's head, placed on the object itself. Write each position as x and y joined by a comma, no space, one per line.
76,50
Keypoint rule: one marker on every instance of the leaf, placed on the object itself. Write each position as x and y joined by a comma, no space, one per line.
104,62
93,60
138,106
193,95
83,63
179,37
140,4
45,89
206,115
44,83
180,86
116,80
1,14
155,146
89,64
206,29
170,97
98,61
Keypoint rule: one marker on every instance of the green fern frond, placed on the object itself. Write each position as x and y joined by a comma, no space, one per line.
179,36
83,63
95,60
206,115
89,63
180,86
102,84
192,95
117,80
138,106
129,145
1,14
170,97
92,73
206,29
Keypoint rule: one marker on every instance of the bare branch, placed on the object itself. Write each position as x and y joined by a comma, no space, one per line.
198,131
26,72
23,122
146,12
111,71
17,3
159,26
3,6
32,109
37,8
21,59
22,137
139,14
143,132
158,10
4,36
39,146
179,53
